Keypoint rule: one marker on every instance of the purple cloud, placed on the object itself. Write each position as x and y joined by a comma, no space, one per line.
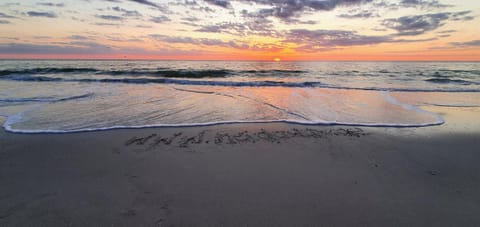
473,43
285,9
110,17
41,14
420,24
160,19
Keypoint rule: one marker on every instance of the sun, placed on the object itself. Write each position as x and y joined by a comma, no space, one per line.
277,59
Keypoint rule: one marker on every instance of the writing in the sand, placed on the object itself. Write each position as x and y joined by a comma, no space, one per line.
218,138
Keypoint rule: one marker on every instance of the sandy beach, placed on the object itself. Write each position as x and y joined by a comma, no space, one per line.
248,113
246,175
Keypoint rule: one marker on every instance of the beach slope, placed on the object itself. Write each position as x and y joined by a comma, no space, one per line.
244,175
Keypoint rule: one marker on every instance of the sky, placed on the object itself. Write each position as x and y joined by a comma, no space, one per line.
363,30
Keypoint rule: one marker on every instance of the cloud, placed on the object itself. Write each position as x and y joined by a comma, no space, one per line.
224,27
92,49
257,26
143,26
189,40
297,21
193,5
146,2
109,17
325,40
127,13
191,19
89,49
41,14
42,37
155,5
418,4
11,4
160,19
222,3
143,2
216,42
51,4
3,15
359,14
185,2
461,16
420,24
447,31
285,9
473,43
423,4
20,48
106,24
78,37
332,38
253,24
89,44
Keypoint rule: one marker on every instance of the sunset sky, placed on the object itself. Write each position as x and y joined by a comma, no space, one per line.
241,29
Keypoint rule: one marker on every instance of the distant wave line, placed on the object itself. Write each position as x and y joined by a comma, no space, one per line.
163,72
307,84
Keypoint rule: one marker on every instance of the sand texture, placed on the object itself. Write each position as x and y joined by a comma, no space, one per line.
245,175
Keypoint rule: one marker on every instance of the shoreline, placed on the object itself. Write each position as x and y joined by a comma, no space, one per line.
272,174
210,124
452,123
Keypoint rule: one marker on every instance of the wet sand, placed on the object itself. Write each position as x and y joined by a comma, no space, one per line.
246,175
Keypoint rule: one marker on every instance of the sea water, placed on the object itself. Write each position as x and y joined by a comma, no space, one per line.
59,96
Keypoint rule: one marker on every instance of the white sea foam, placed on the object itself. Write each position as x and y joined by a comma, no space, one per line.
393,101
8,127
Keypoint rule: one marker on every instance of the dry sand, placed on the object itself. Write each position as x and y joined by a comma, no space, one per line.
246,175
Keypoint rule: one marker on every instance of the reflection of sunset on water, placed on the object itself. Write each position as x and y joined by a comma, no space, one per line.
200,104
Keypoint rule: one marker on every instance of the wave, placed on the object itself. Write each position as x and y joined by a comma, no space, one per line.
32,78
15,118
447,81
45,99
439,119
167,73
273,72
451,105
146,72
476,72
266,83
200,73
46,71
165,81
191,74
161,72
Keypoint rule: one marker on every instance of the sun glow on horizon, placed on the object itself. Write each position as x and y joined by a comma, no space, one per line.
277,59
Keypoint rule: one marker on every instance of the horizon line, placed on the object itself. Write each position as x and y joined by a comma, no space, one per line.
231,60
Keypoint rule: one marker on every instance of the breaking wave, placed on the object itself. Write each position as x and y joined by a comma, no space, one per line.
265,83
447,81
160,72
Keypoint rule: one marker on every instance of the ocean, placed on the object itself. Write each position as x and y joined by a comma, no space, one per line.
60,96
